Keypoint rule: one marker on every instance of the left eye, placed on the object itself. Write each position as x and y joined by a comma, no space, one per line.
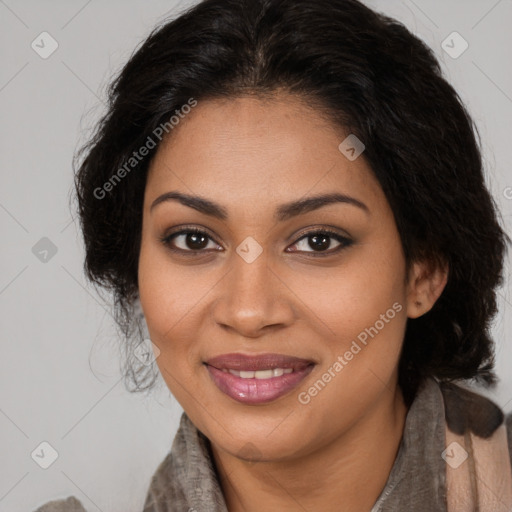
321,242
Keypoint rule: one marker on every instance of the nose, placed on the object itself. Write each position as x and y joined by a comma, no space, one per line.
252,299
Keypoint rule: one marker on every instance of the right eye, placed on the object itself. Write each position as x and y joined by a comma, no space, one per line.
190,241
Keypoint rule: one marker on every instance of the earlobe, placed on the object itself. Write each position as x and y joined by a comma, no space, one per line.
426,284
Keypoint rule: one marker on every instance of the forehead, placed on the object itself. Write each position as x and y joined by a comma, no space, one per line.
238,147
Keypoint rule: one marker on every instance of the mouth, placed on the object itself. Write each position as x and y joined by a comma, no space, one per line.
256,379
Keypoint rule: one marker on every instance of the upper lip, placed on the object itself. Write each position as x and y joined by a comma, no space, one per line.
244,362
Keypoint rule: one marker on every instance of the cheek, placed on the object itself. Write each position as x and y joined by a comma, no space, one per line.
171,300
170,297
360,309
351,296
364,308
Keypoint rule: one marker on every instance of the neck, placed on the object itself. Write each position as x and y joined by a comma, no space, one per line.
347,474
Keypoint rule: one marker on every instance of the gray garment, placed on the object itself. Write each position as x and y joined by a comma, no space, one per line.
186,479
71,504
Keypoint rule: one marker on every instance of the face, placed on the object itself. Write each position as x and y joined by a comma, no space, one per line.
275,246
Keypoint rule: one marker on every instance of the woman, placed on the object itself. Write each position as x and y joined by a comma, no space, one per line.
294,196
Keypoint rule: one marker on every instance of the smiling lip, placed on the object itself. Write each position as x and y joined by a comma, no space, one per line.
258,388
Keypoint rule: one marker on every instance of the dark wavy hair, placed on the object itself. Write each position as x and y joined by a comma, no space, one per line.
367,73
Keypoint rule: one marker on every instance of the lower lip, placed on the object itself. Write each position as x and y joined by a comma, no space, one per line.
257,391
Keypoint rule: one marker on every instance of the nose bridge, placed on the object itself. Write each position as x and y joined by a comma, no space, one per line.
251,297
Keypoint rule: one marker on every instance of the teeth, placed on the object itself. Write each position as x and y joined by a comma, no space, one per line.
260,374
264,374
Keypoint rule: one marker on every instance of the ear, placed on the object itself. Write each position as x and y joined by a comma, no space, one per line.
425,285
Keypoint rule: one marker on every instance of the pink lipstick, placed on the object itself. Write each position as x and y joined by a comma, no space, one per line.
257,379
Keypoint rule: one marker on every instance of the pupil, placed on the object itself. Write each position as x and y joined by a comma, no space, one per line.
196,241
319,242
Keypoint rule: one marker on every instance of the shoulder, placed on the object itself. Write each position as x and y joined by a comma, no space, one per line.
70,504
468,411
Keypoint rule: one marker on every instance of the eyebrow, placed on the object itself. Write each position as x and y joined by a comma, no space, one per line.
284,212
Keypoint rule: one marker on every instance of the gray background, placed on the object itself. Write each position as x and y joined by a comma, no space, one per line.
60,379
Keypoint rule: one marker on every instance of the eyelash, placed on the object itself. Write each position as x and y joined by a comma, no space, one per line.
344,241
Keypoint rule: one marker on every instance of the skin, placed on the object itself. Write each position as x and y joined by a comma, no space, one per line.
250,156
